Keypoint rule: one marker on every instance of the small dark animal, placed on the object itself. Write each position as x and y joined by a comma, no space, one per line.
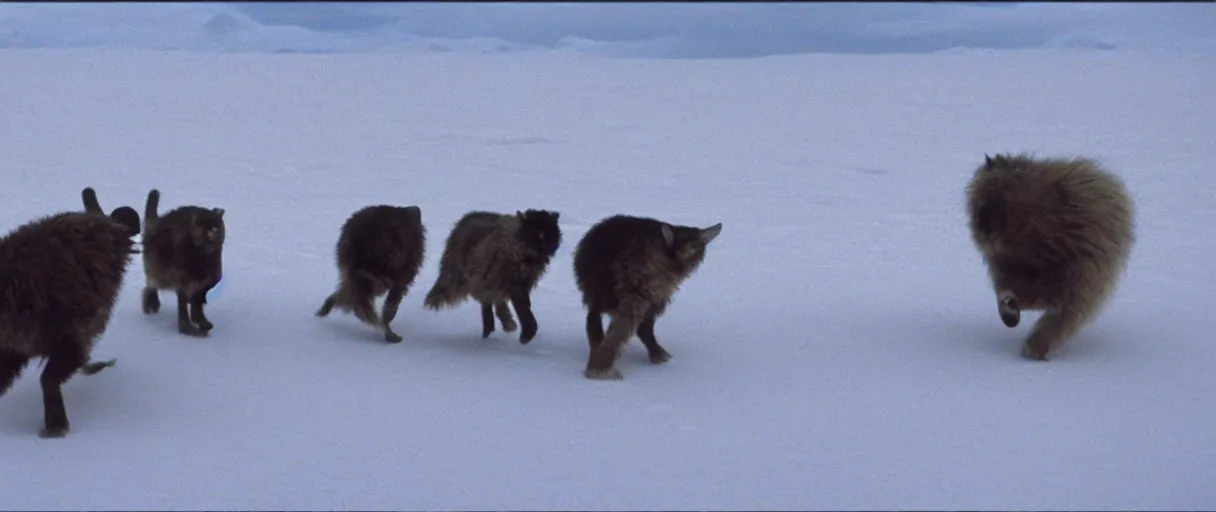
630,267
59,279
379,251
183,252
1055,234
494,257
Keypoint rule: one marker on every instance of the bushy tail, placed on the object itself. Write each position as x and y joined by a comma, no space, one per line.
91,205
125,215
448,290
150,216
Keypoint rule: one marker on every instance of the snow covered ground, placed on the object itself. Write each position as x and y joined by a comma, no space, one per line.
838,349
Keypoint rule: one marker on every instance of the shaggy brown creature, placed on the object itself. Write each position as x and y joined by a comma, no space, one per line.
630,267
380,250
183,252
493,258
59,279
1055,234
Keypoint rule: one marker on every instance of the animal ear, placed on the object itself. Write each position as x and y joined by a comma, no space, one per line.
519,214
987,159
556,215
218,211
710,233
414,213
669,238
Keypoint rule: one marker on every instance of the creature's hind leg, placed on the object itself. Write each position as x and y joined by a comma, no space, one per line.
503,310
601,365
150,302
67,357
359,296
196,310
646,333
184,325
1052,329
487,318
595,327
392,303
10,368
523,306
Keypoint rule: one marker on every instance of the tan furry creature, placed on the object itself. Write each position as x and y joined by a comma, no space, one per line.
1055,234
494,258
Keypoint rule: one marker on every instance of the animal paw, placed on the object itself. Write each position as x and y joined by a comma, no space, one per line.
1034,353
94,368
1011,313
55,432
660,357
509,326
608,374
392,337
191,330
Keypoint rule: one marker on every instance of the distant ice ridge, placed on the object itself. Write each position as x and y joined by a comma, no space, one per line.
200,27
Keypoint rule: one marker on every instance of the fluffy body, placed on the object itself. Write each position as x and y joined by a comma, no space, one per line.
494,258
59,279
1055,235
630,268
183,253
380,250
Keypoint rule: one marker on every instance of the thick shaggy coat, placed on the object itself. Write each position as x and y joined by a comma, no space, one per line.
1055,234
183,252
494,258
629,268
380,250
59,279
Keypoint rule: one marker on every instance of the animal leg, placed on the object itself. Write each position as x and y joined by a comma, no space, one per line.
503,310
595,327
196,311
10,368
601,365
392,303
151,301
523,306
1009,309
1052,329
359,295
184,325
487,318
658,354
61,365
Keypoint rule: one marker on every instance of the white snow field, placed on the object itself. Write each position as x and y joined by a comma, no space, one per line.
838,349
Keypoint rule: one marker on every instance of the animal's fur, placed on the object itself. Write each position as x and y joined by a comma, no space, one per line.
1055,234
494,258
630,267
379,250
183,252
59,279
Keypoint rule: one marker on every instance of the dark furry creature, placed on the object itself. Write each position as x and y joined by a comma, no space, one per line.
59,279
183,252
1055,234
380,250
630,267
494,258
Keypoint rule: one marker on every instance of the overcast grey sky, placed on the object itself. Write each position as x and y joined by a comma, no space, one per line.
680,30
